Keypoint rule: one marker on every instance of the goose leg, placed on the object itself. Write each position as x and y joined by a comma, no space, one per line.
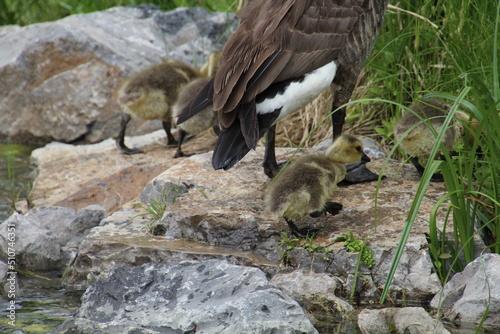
170,138
120,141
271,167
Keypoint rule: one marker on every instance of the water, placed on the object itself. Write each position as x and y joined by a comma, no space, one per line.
41,306
15,176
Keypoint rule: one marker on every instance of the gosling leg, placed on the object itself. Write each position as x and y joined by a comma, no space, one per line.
436,177
170,138
301,233
179,152
120,141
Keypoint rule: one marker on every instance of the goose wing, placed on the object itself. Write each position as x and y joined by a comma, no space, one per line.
278,40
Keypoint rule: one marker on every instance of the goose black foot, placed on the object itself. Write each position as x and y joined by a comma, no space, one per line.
303,232
358,173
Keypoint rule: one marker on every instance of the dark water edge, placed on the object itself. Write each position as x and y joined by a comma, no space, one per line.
16,175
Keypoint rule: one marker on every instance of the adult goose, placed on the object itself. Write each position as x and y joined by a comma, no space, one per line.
283,54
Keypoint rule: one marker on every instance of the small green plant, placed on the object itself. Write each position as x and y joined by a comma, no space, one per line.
287,243
156,208
354,244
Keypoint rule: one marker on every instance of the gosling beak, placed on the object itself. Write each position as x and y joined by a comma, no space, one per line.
365,158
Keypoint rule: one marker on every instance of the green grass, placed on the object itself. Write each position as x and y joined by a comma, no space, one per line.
457,62
33,11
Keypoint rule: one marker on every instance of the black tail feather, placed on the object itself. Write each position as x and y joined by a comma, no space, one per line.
231,146
202,100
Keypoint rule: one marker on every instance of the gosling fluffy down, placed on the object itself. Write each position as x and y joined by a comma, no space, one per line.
419,141
305,186
150,95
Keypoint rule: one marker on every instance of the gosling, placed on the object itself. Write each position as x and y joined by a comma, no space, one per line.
200,122
151,94
305,186
420,140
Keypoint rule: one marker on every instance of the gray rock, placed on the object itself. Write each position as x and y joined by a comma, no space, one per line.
407,320
123,238
10,285
208,297
47,238
470,292
59,78
316,293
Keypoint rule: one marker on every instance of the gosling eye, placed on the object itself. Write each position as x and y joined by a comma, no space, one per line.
358,148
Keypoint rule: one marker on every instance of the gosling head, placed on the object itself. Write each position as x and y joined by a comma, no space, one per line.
346,149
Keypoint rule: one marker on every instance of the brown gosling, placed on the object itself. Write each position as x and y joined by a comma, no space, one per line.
420,140
151,94
200,122
305,186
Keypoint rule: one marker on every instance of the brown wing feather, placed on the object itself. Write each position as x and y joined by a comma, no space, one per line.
300,35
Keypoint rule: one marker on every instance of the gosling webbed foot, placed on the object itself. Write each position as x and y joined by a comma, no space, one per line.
437,177
332,208
357,173
303,232
128,151
272,169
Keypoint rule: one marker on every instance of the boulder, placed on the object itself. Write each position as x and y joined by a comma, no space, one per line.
59,78
316,293
210,214
100,173
405,320
471,292
208,297
47,238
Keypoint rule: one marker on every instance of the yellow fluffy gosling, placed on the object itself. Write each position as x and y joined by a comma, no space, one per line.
151,94
418,143
305,186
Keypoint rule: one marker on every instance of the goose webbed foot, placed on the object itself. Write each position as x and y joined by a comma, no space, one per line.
357,173
303,232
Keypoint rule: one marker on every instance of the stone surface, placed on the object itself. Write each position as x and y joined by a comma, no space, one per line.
216,213
407,320
469,292
122,238
47,238
316,293
100,173
59,78
209,297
